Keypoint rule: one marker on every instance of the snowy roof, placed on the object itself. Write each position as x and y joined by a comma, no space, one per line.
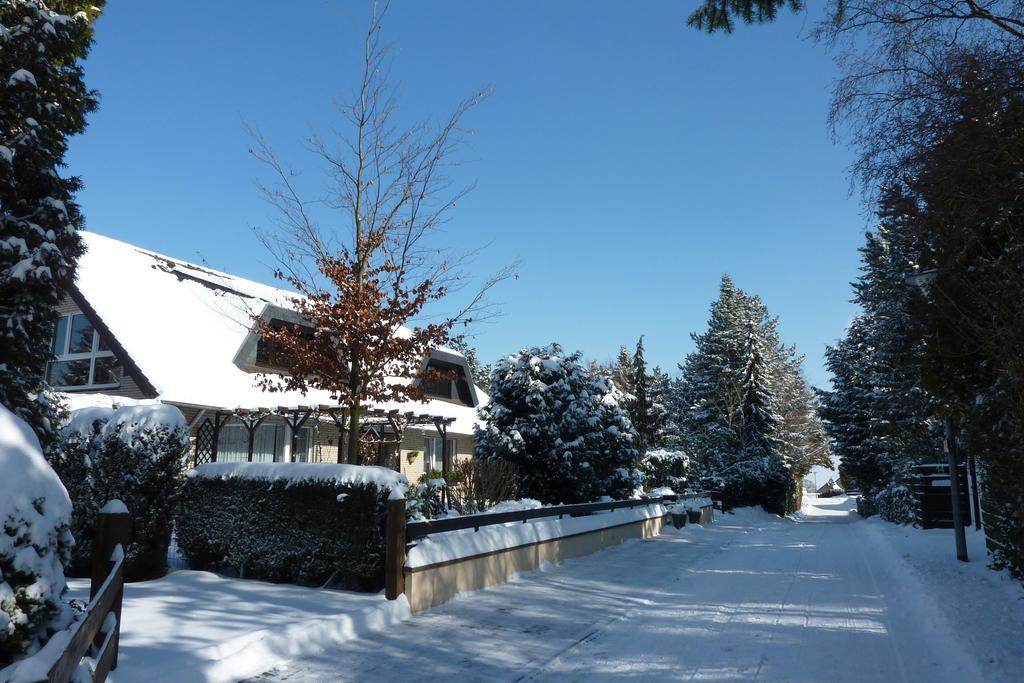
183,324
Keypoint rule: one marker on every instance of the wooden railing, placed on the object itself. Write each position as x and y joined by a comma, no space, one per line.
399,534
98,633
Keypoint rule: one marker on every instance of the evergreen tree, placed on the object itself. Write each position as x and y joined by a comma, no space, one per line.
660,388
881,421
642,410
738,403
43,102
801,434
623,376
968,187
721,15
674,402
848,410
561,427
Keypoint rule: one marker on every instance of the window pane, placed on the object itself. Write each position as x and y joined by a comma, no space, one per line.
68,373
103,346
60,335
268,443
302,446
438,387
433,455
81,334
232,444
107,371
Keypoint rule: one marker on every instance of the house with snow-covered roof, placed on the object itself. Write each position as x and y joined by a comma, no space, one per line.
141,326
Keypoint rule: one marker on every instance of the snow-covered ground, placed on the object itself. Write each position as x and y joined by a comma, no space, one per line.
197,626
824,596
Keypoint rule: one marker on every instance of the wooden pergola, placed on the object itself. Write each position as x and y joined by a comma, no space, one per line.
376,426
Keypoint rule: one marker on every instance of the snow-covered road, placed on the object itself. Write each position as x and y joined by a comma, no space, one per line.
755,597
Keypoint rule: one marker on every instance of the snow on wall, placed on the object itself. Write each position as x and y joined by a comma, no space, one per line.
454,545
295,472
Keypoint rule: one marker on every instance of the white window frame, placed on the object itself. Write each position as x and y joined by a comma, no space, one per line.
91,355
432,449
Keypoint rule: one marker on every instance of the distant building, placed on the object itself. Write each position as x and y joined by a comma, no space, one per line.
829,489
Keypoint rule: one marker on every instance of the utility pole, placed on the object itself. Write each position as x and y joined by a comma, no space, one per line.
952,453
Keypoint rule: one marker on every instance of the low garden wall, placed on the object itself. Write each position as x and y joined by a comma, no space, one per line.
456,562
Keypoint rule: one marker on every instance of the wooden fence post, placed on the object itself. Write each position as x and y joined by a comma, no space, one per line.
394,546
112,530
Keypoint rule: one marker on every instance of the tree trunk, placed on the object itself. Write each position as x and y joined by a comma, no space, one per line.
354,414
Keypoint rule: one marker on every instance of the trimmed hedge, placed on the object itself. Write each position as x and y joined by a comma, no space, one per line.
309,532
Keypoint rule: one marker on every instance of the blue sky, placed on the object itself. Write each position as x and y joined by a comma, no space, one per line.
627,160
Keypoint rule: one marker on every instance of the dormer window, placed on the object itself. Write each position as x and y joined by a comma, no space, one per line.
83,358
268,353
438,388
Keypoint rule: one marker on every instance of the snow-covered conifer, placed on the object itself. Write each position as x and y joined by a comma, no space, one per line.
881,421
644,413
43,101
729,407
562,428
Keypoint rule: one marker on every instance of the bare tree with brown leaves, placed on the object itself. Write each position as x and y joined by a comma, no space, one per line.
361,257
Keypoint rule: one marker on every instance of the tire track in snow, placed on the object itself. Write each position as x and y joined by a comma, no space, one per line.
887,619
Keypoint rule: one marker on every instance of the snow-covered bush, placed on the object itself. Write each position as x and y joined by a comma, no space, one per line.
304,523
134,454
559,426
662,468
424,499
475,485
34,542
71,457
897,503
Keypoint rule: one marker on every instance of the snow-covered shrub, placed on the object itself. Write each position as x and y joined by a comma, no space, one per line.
134,454
866,506
475,485
662,468
34,542
304,523
71,458
896,503
423,500
559,426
